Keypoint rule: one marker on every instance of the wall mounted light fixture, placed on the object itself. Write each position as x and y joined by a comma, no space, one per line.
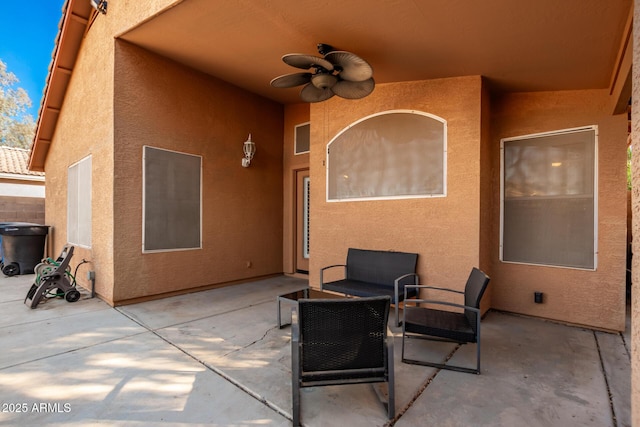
249,149
100,6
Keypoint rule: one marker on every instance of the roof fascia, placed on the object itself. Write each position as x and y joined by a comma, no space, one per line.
76,18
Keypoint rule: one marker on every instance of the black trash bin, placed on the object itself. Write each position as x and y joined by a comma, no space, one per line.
2,224
22,246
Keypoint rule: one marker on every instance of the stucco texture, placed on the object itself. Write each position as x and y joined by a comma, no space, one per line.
85,127
162,104
444,231
120,99
635,209
592,298
294,115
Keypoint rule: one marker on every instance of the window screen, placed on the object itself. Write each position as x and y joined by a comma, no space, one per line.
549,203
302,138
79,203
172,199
390,155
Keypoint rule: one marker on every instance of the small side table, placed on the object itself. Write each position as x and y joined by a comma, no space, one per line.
292,299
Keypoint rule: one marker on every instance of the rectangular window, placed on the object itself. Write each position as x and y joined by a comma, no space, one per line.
302,137
549,199
172,199
79,203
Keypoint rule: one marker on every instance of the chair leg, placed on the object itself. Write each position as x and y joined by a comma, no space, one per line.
397,315
295,396
478,357
442,365
296,404
456,368
478,344
391,409
403,338
295,369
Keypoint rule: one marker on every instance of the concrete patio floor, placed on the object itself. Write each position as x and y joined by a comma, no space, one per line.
217,358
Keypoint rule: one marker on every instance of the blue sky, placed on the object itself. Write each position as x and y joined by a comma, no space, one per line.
28,30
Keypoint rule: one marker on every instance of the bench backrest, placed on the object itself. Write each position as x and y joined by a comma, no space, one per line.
380,267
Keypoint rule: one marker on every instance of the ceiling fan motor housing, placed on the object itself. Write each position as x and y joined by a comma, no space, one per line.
324,80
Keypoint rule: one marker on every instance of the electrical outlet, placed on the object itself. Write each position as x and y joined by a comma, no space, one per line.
538,297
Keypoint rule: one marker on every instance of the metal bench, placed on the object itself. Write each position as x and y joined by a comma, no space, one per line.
369,273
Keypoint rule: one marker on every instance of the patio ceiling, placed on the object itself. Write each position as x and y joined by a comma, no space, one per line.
527,45
517,45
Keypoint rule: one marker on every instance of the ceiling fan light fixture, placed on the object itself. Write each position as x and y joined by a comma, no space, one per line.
324,81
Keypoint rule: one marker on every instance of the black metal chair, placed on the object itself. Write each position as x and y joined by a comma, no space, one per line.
462,326
341,341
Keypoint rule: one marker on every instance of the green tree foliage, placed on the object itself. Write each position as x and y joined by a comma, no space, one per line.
17,128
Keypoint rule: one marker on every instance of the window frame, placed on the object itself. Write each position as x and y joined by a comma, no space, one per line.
144,206
397,197
503,141
295,139
73,230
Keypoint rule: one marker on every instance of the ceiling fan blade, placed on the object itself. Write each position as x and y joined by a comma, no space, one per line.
354,68
353,90
310,93
291,80
305,62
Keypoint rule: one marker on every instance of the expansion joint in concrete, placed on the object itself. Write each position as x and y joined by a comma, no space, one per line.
606,381
217,371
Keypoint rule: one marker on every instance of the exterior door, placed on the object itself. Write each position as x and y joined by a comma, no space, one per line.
302,221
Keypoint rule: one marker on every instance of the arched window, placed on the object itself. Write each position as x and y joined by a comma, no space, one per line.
391,155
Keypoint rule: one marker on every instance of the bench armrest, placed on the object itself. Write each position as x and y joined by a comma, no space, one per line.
450,304
328,267
396,295
396,284
415,275
418,287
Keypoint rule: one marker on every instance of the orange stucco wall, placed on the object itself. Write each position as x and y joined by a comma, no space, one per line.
85,127
294,114
177,108
592,298
122,97
462,230
166,105
444,231
635,209
487,188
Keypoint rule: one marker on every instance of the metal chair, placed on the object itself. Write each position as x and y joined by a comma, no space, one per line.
460,327
341,341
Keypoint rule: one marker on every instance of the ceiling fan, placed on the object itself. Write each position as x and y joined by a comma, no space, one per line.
337,73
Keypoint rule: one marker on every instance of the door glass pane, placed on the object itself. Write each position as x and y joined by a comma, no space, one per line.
305,220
